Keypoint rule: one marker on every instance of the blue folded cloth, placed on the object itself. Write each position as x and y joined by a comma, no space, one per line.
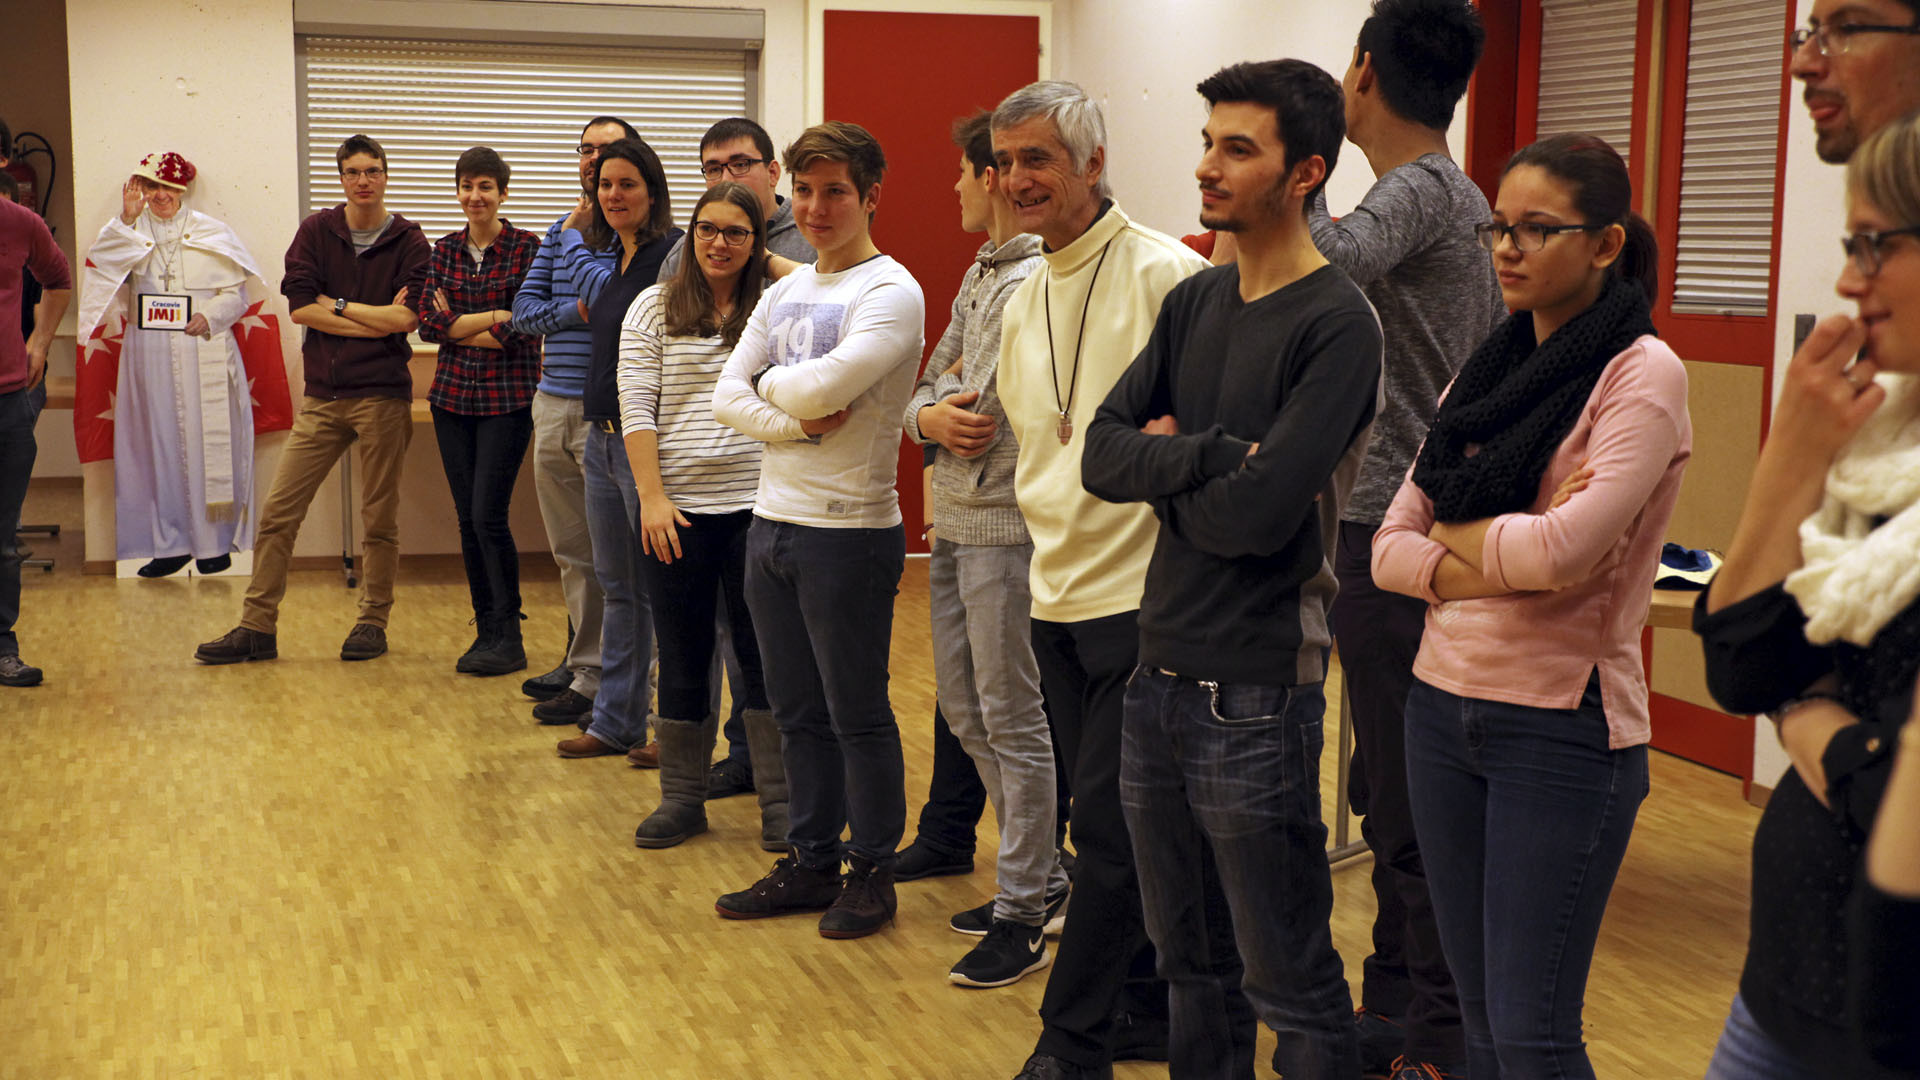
1685,568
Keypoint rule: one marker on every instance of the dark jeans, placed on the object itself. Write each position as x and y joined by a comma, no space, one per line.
712,569
1105,965
822,603
482,456
1235,770
956,798
1379,634
1524,817
18,412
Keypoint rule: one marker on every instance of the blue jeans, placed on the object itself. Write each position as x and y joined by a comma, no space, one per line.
1523,816
626,625
822,603
1234,771
1745,1052
18,412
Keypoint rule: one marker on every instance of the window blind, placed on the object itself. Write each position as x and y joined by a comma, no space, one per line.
1586,69
427,101
1724,245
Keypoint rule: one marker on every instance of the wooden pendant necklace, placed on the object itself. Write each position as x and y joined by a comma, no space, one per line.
1065,428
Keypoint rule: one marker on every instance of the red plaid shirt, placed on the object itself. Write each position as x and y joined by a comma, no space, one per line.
470,380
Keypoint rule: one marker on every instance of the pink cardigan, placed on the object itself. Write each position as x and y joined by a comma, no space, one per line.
1582,573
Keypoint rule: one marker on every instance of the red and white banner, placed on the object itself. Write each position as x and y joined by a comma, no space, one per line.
97,378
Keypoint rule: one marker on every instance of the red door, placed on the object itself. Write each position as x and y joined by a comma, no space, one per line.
906,76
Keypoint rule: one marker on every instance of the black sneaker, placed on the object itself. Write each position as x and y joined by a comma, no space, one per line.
727,778
924,861
1009,951
566,707
866,901
1048,1067
787,888
976,922
548,686
1381,1039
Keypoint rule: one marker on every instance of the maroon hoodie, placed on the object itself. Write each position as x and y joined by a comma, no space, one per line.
321,260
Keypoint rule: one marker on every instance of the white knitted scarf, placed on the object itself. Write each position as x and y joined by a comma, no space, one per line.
1855,578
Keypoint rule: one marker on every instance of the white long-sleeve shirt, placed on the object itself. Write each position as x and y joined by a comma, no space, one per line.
848,340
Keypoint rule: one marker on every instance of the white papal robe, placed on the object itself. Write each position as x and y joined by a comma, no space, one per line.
183,419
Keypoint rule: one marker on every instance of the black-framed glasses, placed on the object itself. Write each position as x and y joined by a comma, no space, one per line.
374,173
1837,40
1526,235
1864,248
739,166
587,149
733,234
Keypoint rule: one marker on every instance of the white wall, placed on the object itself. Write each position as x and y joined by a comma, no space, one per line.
1141,58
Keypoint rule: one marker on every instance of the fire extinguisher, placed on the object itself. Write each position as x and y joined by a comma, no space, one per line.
31,193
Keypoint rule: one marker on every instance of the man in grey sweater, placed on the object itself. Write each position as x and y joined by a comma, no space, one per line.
1409,245
988,682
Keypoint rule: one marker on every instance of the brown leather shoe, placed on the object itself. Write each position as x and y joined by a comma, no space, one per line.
645,757
585,745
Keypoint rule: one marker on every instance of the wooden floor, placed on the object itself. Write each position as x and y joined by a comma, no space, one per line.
314,869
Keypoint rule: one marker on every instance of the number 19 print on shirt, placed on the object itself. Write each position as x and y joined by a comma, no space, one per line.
801,331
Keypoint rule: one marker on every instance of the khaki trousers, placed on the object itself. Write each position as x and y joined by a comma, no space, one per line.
322,432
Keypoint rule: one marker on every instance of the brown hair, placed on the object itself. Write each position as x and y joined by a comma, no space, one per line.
1603,193
688,306
837,140
599,235
482,161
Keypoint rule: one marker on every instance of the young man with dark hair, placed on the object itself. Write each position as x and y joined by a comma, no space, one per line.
1410,247
1860,61
989,686
1068,333
1242,424
821,375
740,150
565,277
348,274
27,255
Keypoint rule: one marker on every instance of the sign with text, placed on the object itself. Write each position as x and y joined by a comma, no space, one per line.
165,311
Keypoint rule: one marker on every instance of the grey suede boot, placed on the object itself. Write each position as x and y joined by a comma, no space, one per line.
685,747
769,776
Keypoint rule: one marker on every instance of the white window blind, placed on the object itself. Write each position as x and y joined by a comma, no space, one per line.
1725,240
1586,69
425,102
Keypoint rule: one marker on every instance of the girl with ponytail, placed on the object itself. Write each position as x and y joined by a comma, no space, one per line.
1532,522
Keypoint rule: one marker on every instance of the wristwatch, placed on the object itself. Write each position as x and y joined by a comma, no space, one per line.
340,306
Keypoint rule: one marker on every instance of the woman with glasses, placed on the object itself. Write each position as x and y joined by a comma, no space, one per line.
630,213
1531,522
482,396
1815,621
696,479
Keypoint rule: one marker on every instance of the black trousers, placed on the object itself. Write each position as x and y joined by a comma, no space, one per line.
482,455
1105,963
1378,632
711,570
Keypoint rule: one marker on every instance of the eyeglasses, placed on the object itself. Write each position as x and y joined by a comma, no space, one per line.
1526,235
739,166
1864,248
1838,40
734,234
587,149
355,174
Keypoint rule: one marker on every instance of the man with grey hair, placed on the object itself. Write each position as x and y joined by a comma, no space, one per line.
1058,360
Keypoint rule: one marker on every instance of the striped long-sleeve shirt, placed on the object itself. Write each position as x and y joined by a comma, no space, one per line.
666,386
564,272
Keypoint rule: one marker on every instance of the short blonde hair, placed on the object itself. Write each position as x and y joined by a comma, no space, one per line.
1885,170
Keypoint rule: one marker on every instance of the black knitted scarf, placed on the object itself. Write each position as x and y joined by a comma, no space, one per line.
1516,401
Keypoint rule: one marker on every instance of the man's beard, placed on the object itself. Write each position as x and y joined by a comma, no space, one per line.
1273,201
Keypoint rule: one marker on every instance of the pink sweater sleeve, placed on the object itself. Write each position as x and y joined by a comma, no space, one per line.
1638,426
1403,558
